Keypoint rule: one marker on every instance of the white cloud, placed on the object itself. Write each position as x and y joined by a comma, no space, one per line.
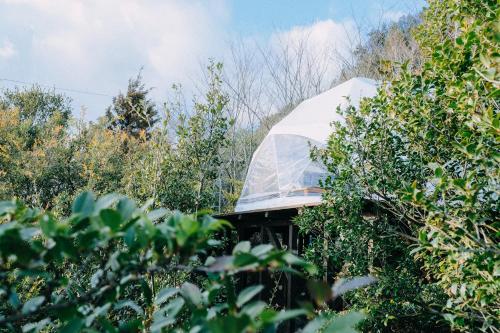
320,37
393,15
7,49
98,45
323,46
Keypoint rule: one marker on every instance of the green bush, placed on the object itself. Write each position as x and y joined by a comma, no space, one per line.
112,267
424,155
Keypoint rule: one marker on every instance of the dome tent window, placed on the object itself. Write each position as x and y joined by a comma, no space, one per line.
281,173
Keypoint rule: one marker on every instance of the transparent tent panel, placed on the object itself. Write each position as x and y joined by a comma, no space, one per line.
281,174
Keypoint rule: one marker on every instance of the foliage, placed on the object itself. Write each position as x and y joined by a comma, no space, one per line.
46,163
135,113
123,246
347,241
37,105
103,155
145,182
424,154
389,43
33,126
36,168
193,167
459,243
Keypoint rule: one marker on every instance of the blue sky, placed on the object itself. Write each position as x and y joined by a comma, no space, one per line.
96,45
263,16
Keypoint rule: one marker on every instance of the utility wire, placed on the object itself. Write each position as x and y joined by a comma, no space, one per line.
57,88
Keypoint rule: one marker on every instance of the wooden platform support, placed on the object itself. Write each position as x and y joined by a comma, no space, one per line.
275,227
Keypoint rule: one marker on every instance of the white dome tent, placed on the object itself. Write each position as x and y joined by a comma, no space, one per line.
281,173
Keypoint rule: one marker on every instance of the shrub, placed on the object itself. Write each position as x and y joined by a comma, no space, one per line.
99,268
424,153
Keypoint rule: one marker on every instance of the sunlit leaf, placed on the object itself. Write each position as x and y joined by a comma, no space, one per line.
247,294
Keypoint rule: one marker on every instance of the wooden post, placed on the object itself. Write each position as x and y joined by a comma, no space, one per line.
325,252
261,241
289,276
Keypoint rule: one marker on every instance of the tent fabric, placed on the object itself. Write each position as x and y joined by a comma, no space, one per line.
281,172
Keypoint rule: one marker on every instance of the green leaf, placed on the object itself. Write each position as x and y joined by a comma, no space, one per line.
284,315
99,311
129,304
471,149
111,218
229,324
244,259
485,60
220,264
460,182
292,259
247,294
14,299
438,172
73,326
106,325
167,314
7,207
213,242
195,329
36,327
165,294
131,326
28,233
192,293
254,309
342,286
130,237
345,323
314,325
95,278
32,304
260,250
157,214
126,207
106,201
84,204
5,227
189,225
242,247
48,226
146,291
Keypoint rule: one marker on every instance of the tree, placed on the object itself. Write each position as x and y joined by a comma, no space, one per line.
37,107
102,156
36,154
143,175
390,43
424,153
194,163
134,112
37,104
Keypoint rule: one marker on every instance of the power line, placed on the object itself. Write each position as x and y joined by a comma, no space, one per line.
57,88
